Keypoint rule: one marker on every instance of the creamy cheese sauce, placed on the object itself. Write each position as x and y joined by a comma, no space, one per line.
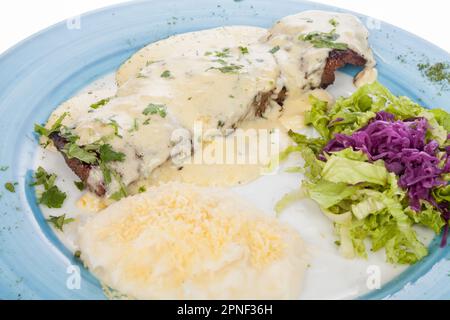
211,80
301,62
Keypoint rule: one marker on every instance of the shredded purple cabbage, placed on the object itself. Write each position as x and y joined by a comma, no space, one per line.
406,152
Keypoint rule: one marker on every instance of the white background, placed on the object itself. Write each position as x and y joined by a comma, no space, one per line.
428,19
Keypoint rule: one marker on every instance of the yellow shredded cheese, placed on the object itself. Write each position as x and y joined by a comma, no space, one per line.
181,241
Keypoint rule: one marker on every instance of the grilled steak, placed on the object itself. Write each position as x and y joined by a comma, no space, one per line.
338,59
80,168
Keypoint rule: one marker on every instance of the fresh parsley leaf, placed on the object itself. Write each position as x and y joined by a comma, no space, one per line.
80,185
244,50
106,172
41,177
233,68
72,150
42,131
155,109
113,123
100,103
59,221
324,40
166,74
274,49
135,126
122,192
10,187
116,196
107,154
142,189
52,197
334,22
225,53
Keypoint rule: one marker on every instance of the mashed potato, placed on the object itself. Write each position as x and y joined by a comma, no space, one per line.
178,241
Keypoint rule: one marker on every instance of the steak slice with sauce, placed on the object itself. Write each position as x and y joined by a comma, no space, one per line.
338,59
80,168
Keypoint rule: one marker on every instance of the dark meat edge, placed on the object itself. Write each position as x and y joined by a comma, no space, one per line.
80,168
336,59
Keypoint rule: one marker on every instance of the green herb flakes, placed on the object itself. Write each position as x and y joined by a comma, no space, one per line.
10,187
334,22
244,50
107,154
52,197
42,131
166,74
274,49
100,103
324,40
59,221
80,185
155,109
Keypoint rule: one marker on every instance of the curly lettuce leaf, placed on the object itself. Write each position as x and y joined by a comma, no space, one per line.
342,170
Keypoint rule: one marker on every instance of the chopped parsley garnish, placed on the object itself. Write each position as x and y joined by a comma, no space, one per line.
42,178
80,185
10,187
220,124
274,49
225,53
52,197
334,22
324,40
106,172
155,109
244,50
221,61
142,189
135,126
166,74
60,221
107,154
72,150
113,123
42,131
118,195
437,73
122,192
100,103
233,68
77,254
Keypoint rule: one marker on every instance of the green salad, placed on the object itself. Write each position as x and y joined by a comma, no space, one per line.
379,166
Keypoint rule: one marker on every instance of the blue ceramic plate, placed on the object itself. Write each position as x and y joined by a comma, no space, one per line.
48,68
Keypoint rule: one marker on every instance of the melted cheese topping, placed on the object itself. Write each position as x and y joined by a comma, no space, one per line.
216,79
185,242
300,61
